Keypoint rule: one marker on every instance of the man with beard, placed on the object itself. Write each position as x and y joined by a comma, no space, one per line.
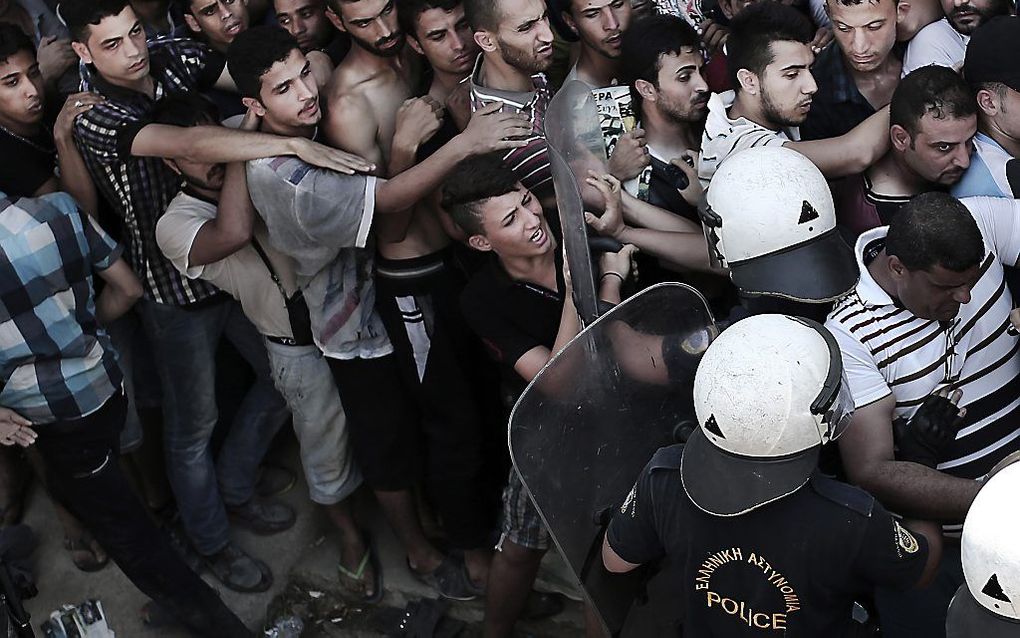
662,62
858,76
306,20
945,42
933,121
770,58
517,46
418,280
600,24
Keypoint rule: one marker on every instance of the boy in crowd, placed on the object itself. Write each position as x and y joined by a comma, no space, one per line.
520,304
307,21
857,77
184,320
209,232
324,221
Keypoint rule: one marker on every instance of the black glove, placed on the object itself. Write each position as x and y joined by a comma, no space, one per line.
925,437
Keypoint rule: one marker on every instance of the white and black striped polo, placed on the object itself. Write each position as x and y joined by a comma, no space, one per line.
887,350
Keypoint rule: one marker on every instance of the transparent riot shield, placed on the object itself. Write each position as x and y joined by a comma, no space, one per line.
575,147
594,416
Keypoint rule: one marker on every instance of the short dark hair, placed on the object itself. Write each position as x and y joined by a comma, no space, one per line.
409,10
854,3
79,15
935,90
473,181
12,40
753,31
185,110
482,14
253,52
645,42
935,229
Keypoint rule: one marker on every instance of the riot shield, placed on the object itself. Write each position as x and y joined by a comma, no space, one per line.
594,416
575,147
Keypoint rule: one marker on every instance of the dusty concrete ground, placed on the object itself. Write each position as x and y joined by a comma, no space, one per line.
303,561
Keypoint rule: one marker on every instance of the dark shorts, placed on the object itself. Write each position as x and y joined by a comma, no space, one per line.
382,422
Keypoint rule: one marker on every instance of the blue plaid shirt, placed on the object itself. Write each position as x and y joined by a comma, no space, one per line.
140,188
56,360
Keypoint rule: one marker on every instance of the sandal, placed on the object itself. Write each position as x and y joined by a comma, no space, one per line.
448,579
85,544
352,580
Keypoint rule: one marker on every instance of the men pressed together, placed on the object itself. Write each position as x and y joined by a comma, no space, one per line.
356,199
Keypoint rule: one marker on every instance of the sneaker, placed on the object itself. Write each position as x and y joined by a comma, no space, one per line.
263,516
274,480
239,571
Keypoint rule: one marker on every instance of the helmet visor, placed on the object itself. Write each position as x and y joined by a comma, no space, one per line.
834,403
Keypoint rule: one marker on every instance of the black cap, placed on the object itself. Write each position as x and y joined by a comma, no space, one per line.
993,54
967,618
726,484
819,270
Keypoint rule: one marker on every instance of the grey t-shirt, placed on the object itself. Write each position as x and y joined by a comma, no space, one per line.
322,219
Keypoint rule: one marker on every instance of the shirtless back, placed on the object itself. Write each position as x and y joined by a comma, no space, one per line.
365,94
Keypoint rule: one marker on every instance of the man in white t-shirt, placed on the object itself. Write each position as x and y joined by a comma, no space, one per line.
931,313
770,57
945,42
210,232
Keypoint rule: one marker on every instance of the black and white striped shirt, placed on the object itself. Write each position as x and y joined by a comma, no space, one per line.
886,349
724,137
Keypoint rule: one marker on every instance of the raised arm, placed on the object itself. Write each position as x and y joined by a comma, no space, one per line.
74,177
218,144
121,292
851,153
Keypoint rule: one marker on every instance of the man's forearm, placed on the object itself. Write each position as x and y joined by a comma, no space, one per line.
640,213
685,249
216,144
412,185
74,177
917,491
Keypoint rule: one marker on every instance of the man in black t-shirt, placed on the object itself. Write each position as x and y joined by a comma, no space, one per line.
31,152
520,305
761,541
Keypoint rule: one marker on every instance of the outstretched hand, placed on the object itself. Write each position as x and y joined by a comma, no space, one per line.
15,429
331,158
492,130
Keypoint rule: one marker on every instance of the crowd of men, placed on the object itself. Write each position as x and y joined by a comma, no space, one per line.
221,217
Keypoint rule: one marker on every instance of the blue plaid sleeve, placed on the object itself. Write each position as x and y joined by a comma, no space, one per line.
103,250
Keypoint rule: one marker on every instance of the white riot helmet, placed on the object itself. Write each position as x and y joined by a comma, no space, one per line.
988,605
769,391
771,220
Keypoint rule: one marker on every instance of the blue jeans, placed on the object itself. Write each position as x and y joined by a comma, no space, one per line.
185,350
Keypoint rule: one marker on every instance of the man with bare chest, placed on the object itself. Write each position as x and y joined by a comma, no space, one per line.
418,283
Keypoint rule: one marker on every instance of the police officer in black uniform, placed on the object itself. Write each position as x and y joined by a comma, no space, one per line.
762,542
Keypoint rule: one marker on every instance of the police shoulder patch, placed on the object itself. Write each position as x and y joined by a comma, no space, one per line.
667,458
847,496
905,540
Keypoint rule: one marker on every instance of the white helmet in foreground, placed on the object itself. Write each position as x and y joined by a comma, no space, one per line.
988,605
771,220
769,391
